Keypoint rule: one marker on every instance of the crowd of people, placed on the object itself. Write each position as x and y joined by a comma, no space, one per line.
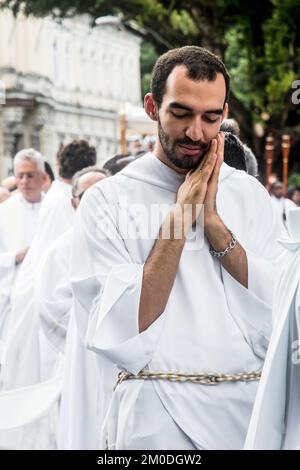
113,336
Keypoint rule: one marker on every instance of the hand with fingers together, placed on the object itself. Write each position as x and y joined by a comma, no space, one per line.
210,206
200,185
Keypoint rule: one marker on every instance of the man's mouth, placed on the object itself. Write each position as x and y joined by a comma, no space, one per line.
190,149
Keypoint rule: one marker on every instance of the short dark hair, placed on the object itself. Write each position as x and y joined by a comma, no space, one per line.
201,64
119,161
74,157
49,171
85,171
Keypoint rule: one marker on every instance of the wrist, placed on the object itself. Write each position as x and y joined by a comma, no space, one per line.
179,223
212,223
218,235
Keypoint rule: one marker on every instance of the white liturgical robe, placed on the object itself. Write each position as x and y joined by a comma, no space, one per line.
18,221
25,347
29,358
275,421
211,323
54,297
84,384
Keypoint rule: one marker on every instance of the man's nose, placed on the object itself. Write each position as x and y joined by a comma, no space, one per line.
195,131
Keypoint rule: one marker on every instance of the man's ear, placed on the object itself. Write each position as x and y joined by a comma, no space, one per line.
150,107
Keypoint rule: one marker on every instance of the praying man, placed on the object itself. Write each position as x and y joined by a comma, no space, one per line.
184,311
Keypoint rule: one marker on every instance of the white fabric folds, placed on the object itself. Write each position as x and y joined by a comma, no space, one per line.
210,323
275,421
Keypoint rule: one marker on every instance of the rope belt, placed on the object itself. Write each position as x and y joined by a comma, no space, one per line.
204,379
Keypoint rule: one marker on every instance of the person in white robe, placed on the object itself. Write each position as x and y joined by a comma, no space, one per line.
56,217
53,289
275,421
281,204
80,404
19,213
28,357
18,222
189,306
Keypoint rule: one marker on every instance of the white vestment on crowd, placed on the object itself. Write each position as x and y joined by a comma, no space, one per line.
81,413
18,221
86,391
275,422
54,297
282,206
29,358
211,323
23,358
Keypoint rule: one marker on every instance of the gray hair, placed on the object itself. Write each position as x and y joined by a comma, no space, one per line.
230,125
29,155
251,162
84,171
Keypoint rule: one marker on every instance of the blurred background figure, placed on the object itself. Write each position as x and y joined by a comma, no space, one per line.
136,145
56,216
231,125
280,202
19,214
83,180
80,406
149,143
18,223
118,162
234,154
294,195
28,356
4,194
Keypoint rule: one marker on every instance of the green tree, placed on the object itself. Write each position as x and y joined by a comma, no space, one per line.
259,40
148,58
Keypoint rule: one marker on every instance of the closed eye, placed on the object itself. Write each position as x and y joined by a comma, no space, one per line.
210,120
179,116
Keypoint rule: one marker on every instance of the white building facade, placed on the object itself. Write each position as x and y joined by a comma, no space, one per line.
63,81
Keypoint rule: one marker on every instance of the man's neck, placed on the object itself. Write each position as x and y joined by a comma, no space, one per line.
33,200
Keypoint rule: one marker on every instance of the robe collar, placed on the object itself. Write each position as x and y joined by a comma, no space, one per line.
151,170
31,205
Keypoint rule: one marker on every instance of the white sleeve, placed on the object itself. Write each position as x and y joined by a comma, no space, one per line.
53,296
107,287
252,307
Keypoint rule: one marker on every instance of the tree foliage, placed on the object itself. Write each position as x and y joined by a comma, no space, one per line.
259,40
